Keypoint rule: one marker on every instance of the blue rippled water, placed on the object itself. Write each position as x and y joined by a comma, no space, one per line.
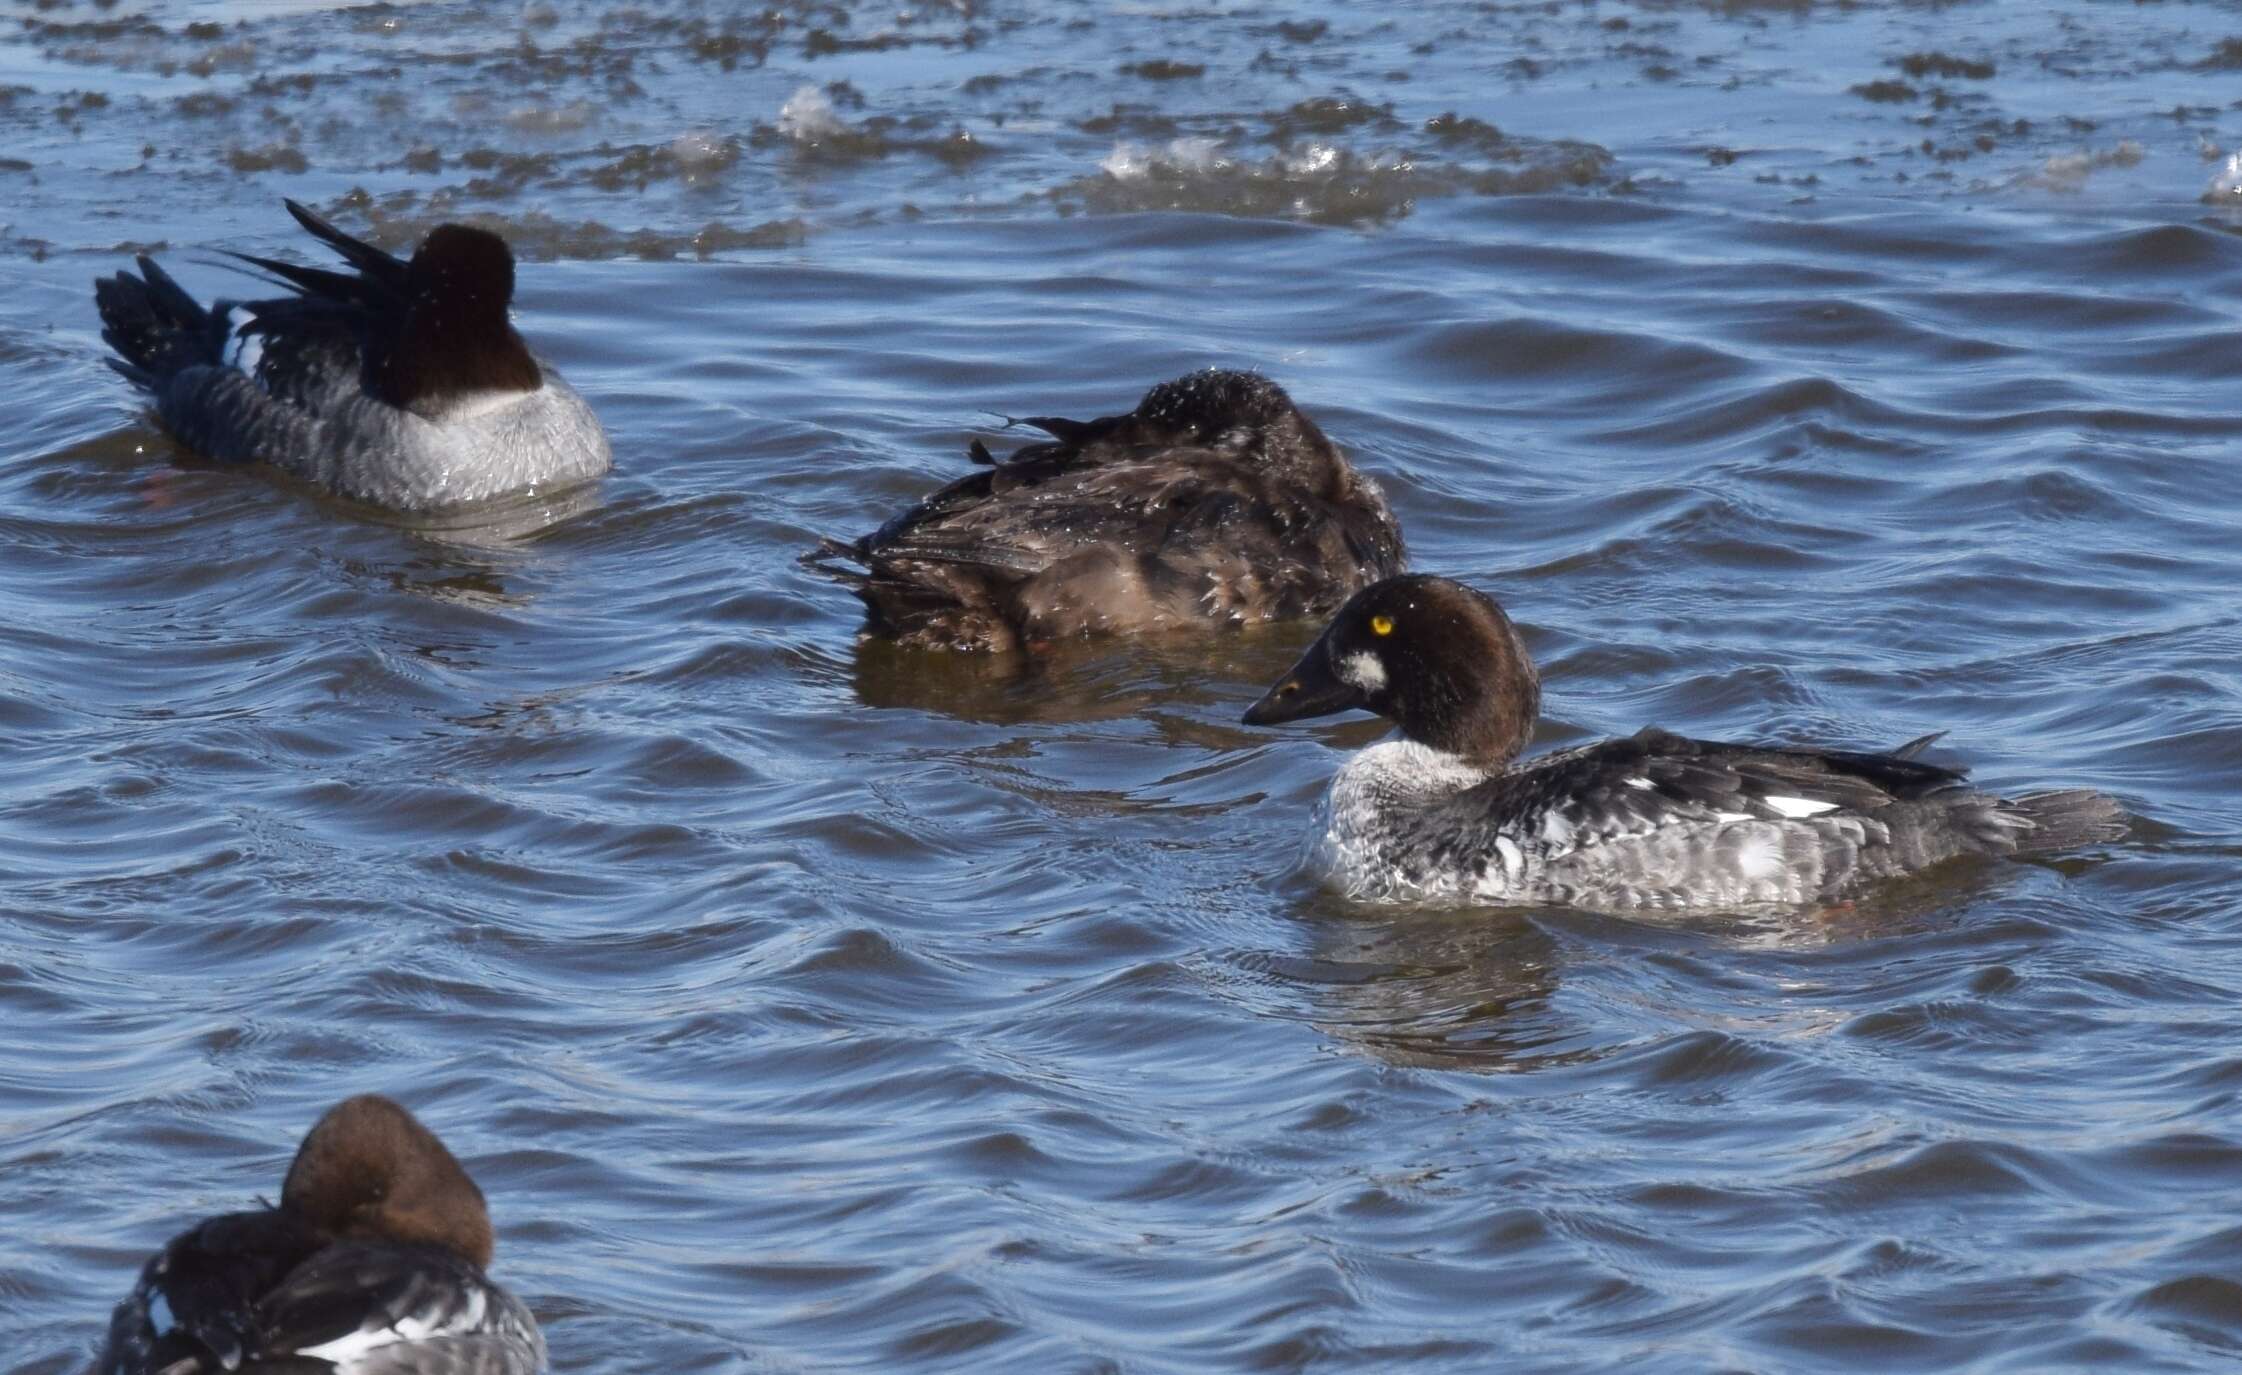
1832,372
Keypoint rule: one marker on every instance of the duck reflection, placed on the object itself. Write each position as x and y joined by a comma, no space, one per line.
1168,675
1474,988
503,524
1437,990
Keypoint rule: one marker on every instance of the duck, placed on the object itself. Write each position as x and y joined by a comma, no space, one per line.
1215,501
1449,813
372,1264
400,384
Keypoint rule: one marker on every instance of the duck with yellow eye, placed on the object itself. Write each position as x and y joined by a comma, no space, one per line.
1654,821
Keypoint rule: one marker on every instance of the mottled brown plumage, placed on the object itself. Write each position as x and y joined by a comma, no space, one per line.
1215,501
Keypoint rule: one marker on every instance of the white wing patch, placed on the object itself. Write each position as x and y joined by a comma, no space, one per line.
1362,669
1795,807
352,1345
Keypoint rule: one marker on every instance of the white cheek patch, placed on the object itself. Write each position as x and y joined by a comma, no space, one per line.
1363,669
1795,807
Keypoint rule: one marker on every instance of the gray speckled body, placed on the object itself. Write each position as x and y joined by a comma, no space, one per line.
1660,822
331,433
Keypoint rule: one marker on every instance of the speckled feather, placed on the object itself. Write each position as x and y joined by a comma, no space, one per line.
1214,501
1660,821
1653,821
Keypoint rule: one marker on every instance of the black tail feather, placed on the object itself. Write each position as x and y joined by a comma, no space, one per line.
2069,819
156,328
832,557
382,267
1919,744
311,281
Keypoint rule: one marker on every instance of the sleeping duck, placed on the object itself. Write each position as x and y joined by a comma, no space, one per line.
1448,814
401,384
1215,501
371,1265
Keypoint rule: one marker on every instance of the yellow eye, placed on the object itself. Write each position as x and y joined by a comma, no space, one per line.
1381,625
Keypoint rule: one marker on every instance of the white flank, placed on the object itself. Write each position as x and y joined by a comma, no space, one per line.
1798,806
1362,669
469,405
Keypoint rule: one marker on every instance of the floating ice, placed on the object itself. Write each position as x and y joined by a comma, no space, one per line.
2068,171
1128,160
699,153
808,116
2226,187
550,119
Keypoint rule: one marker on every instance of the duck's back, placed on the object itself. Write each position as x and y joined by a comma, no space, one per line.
1214,501
258,1294
1660,821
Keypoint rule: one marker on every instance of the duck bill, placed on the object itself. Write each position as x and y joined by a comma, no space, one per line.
1311,689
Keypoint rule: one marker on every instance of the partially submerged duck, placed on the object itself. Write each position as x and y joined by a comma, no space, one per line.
371,1265
1215,501
400,384
1448,813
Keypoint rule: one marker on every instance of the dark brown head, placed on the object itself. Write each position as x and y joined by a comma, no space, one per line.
1433,656
457,337
1228,409
370,1171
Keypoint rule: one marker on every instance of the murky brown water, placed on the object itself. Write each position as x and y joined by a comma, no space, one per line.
1838,372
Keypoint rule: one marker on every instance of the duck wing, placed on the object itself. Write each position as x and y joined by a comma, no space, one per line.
195,1308
1656,779
356,1300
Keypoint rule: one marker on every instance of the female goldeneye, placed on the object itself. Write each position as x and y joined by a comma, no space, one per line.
371,1265
402,384
1215,500
1652,821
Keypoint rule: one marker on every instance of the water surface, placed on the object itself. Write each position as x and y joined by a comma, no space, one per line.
1829,372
